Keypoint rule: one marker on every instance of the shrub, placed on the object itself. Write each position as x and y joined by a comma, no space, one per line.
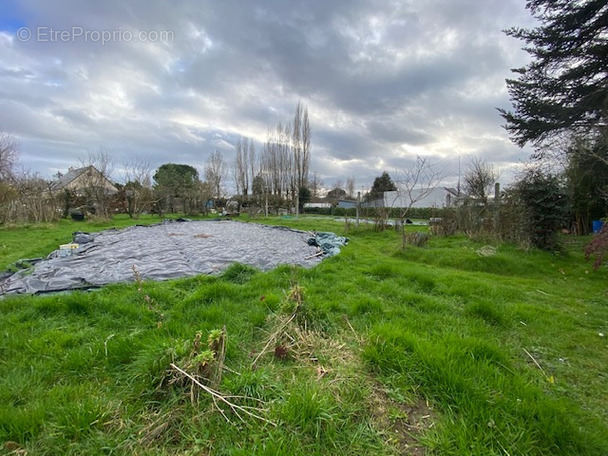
417,238
598,247
543,203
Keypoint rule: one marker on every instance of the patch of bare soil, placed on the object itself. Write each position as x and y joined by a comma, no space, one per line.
402,423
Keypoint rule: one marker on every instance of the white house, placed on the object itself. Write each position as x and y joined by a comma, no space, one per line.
317,205
438,197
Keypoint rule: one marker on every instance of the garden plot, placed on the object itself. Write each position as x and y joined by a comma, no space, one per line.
165,251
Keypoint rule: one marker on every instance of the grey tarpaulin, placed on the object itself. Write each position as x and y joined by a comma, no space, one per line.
165,251
329,243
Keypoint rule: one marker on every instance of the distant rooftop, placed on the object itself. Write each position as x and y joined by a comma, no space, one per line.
72,174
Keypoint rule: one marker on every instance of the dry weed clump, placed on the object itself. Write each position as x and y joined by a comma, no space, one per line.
292,339
201,373
486,251
417,239
204,365
150,303
335,363
202,369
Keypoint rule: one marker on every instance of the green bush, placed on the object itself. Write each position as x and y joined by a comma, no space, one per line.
543,204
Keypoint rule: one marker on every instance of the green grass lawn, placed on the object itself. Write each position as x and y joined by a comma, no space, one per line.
436,350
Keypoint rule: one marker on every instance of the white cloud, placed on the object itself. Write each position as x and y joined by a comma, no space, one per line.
382,80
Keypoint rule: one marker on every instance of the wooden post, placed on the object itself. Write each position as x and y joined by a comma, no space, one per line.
496,206
357,207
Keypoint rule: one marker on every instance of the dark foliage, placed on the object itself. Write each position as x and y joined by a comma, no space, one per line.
543,203
174,187
303,196
382,184
335,194
564,89
587,174
176,178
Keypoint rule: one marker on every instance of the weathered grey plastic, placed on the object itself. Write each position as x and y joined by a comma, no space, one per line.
166,251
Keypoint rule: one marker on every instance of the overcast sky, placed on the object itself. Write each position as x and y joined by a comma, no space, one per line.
171,81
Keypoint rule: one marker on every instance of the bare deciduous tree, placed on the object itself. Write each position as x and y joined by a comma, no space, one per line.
138,194
296,144
316,185
479,179
276,162
301,146
241,167
27,199
306,148
9,149
253,166
138,169
285,160
350,186
216,172
98,190
339,183
413,185
244,165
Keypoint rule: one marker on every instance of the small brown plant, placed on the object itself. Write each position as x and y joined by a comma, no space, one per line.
151,304
295,295
281,352
598,247
417,239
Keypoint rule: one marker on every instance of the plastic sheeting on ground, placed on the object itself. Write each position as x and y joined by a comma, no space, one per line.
329,243
165,251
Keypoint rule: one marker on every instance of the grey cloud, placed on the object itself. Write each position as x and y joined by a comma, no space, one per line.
402,72
396,132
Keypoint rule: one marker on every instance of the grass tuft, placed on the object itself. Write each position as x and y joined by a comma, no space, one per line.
490,312
239,273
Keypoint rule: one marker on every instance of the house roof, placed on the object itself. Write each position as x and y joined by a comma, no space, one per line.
68,177
454,191
71,175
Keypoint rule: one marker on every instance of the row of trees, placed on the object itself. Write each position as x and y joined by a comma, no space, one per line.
279,171
282,167
19,191
529,212
278,175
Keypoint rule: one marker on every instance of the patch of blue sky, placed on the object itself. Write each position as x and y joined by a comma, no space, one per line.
11,16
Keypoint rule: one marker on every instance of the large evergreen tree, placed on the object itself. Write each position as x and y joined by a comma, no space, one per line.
565,88
382,184
174,181
176,178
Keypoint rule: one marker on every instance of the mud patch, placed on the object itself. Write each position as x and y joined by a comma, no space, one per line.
402,423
